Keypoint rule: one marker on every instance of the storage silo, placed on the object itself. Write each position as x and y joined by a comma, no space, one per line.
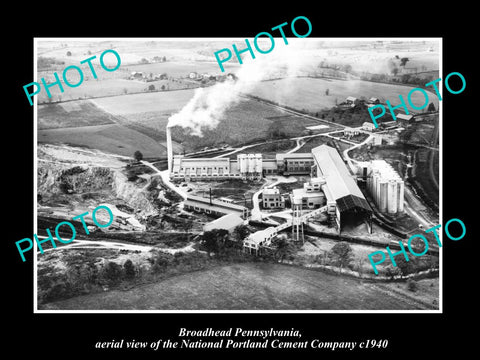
251,163
382,195
258,164
400,195
392,197
242,163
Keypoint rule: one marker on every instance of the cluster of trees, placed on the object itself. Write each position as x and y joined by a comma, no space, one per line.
154,59
351,116
46,62
83,278
222,243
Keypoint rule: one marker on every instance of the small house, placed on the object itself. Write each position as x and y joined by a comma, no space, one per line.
368,126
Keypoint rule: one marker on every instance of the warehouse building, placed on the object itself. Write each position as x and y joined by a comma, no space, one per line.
215,207
345,201
227,222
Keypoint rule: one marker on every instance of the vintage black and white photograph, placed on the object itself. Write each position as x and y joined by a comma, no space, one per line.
277,174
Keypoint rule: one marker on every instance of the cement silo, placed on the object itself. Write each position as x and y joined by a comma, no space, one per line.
392,197
401,190
258,164
242,163
386,187
251,163
382,198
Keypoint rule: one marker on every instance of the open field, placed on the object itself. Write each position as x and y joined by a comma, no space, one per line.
167,102
115,139
248,121
72,114
309,93
138,121
179,52
268,149
251,286
92,89
184,68
314,142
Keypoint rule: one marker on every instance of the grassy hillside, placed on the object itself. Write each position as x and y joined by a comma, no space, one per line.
115,139
72,114
251,286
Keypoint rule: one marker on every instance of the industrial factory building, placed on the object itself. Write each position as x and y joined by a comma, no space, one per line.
246,166
214,207
294,164
272,199
344,199
311,196
385,186
332,187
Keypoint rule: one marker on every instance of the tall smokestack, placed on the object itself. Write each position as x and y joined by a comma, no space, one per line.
169,150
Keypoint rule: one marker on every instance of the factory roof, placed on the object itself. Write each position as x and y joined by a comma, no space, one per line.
214,202
385,170
271,191
302,193
205,161
340,183
368,124
226,222
404,116
293,156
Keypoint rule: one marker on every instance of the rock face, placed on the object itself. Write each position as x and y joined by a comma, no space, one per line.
72,183
135,197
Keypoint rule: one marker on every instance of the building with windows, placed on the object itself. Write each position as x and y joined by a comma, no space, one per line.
311,196
294,164
214,207
272,199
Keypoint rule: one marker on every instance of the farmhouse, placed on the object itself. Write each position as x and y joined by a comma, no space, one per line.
368,126
352,101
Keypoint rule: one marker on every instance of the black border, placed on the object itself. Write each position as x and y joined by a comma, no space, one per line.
409,334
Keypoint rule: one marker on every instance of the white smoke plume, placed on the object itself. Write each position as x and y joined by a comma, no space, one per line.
207,107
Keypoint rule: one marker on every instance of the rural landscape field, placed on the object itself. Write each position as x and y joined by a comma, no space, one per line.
105,142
